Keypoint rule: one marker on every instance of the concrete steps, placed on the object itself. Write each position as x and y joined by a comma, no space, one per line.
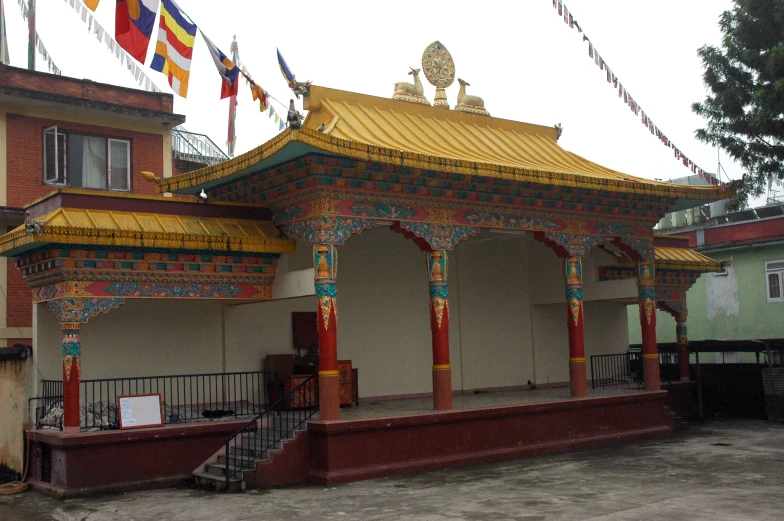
245,455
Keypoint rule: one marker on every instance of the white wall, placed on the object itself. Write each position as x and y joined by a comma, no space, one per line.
140,338
507,311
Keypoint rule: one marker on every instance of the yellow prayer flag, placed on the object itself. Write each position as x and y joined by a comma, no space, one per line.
91,4
277,118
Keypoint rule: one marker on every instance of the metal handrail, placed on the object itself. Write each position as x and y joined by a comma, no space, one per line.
302,401
191,145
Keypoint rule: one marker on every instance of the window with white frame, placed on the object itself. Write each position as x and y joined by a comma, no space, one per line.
85,161
774,280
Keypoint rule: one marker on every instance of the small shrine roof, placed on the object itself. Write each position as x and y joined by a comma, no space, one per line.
412,135
104,227
675,258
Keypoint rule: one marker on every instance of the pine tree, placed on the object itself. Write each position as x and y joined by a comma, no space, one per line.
744,109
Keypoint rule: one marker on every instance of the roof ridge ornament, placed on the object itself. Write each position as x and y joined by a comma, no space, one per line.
468,103
413,93
439,70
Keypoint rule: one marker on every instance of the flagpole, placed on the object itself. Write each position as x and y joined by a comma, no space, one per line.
232,138
3,42
31,41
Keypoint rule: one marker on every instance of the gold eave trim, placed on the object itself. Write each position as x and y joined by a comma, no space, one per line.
134,239
365,152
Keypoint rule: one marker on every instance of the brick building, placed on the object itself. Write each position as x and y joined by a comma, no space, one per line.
121,131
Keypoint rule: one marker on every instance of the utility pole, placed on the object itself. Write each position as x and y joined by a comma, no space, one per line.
31,41
4,58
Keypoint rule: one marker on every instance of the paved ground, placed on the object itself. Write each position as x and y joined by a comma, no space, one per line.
719,471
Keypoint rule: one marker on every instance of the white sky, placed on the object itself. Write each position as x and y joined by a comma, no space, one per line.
518,56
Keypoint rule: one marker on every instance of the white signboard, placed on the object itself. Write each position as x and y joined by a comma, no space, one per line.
140,410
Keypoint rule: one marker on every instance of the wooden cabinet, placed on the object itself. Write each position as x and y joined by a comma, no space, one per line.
304,398
347,383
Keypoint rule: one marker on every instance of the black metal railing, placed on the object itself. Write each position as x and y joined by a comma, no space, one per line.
627,369
268,429
185,398
615,370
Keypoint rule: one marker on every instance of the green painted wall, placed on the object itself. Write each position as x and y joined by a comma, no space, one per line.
730,307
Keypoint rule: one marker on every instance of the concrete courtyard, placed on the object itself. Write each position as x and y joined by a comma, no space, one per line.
719,471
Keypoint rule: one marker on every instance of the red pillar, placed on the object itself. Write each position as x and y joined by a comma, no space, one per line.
578,381
325,260
437,267
72,373
683,347
650,352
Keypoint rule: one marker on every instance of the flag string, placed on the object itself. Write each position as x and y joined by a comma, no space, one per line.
628,99
39,44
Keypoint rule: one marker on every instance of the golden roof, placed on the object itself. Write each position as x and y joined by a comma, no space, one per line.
672,258
418,136
148,230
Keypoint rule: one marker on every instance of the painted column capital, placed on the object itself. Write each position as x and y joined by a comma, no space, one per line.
569,244
328,229
436,236
637,248
76,310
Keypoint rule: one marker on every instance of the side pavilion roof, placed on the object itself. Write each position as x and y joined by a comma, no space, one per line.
404,134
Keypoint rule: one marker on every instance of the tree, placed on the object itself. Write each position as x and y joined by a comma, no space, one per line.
744,109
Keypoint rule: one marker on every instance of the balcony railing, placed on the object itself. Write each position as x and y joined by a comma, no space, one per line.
196,148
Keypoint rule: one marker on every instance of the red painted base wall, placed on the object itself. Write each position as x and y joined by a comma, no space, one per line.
356,450
89,463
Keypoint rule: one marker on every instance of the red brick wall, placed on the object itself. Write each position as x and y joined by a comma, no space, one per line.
25,184
25,156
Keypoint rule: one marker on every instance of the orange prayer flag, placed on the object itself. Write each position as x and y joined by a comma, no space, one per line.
91,4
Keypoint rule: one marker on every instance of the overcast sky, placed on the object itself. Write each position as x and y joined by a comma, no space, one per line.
519,56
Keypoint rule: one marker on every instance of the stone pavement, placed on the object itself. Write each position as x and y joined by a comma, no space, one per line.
719,471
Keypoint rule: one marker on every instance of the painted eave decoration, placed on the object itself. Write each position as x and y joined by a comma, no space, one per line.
397,133
101,228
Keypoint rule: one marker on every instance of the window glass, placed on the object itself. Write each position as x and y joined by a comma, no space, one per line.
774,286
54,156
119,167
93,162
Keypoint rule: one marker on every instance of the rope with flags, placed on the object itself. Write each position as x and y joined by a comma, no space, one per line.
628,99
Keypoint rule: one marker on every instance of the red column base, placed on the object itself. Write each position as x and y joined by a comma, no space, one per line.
578,382
329,399
650,371
683,358
442,388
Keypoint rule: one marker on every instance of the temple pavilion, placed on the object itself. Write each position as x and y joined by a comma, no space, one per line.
476,254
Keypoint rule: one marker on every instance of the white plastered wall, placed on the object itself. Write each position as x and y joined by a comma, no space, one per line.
507,312
140,338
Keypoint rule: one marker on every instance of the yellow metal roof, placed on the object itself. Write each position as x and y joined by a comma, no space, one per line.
400,133
80,226
668,257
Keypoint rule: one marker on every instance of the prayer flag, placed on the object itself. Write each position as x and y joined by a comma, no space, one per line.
566,15
560,7
174,50
590,50
284,69
282,126
259,94
91,4
571,21
271,111
229,72
134,22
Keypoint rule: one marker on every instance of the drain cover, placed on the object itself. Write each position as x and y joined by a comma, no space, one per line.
721,444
